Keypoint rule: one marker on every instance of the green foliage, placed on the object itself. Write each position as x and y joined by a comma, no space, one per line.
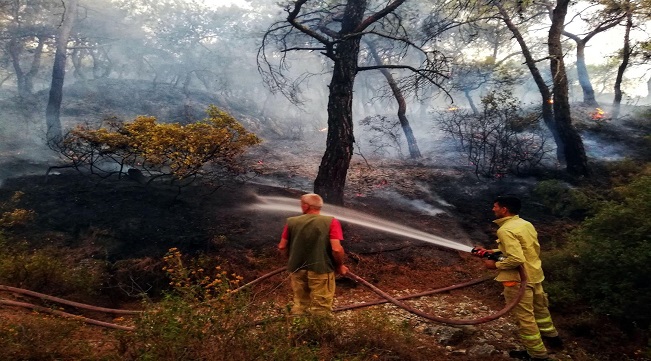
207,149
11,216
49,270
609,259
562,199
204,318
41,337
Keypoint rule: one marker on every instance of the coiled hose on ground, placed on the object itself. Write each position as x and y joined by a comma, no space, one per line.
386,298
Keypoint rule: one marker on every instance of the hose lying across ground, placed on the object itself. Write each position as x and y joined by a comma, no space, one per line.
386,298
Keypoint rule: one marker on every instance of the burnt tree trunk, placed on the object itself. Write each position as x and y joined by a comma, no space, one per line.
25,80
471,102
626,54
545,93
331,179
414,152
577,162
584,78
53,110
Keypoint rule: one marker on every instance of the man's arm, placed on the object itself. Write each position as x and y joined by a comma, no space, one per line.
282,247
514,256
338,255
284,242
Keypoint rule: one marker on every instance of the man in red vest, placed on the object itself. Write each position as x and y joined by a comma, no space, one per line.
312,244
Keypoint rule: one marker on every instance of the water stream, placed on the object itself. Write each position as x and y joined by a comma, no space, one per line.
284,204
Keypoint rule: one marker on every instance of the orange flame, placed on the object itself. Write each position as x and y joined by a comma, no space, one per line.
550,101
451,109
598,114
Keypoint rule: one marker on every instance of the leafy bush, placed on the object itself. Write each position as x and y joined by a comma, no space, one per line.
46,270
499,140
207,149
562,199
39,337
614,255
202,318
609,259
49,270
11,216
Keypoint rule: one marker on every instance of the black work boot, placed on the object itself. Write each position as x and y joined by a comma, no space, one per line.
555,342
524,355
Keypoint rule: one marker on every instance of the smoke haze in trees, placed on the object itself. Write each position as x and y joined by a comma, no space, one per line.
173,58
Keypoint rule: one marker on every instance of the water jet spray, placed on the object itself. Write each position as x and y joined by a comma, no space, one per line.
284,204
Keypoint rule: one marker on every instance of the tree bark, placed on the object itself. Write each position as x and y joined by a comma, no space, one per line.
331,178
584,78
626,53
25,80
414,152
475,111
582,70
577,162
545,93
53,110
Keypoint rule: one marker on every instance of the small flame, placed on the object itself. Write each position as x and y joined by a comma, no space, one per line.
550,101
598,114
323,130
451,109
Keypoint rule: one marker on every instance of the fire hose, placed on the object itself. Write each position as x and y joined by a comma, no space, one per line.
69,303
386,298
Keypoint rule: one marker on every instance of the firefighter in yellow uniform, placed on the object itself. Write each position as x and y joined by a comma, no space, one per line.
517,239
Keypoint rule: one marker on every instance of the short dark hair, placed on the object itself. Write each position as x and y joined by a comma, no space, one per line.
512,203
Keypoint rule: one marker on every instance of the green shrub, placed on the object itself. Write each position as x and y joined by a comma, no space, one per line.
40,337
613,255
49,270
560,273
201,318
11,215
562,199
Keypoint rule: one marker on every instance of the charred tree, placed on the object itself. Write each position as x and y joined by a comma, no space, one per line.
53,110
577,162
584,78
25,79
335,30
414,152
626,55
545,92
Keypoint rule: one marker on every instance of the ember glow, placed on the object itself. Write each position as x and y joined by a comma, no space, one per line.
451,109
598,114
284,204
323,130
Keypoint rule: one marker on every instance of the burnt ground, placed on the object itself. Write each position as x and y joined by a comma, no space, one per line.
130,227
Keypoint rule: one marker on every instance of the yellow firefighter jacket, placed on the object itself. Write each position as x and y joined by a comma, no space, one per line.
518,241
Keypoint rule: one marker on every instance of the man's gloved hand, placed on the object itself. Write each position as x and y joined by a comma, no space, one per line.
479,251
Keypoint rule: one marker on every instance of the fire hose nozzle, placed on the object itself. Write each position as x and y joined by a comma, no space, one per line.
488,254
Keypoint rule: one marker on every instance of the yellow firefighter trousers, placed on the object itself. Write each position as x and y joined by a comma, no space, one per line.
534,319
313,292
